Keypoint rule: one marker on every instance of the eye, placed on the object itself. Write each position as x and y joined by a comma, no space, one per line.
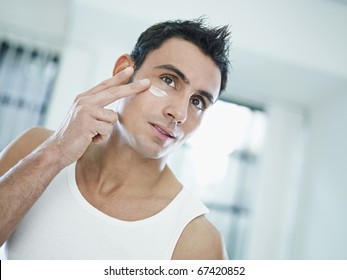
170,81
198,102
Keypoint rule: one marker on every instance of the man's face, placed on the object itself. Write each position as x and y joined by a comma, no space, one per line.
155,126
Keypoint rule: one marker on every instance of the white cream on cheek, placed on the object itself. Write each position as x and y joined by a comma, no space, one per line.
157,92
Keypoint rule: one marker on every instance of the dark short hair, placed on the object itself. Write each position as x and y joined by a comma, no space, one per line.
212,41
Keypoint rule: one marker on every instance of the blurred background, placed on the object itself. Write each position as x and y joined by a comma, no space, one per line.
270,158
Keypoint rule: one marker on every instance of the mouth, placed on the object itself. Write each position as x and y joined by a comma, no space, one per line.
166,133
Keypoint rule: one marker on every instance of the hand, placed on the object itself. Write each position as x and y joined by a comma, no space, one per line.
88,121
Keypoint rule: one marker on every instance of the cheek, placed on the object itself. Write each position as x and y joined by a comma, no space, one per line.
134,108
146,99
127,111
130,104
191,125
195,116
122,105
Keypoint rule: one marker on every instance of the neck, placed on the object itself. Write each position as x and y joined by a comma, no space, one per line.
114,166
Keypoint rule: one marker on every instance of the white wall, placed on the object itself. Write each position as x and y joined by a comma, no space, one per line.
321,231
300,204
39,21
276,193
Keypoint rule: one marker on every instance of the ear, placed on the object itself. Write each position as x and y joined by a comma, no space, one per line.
122,62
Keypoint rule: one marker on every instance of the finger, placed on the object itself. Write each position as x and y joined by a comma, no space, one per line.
105,115
119,79
104,131
114,93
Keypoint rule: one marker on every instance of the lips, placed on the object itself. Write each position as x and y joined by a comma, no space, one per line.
163,130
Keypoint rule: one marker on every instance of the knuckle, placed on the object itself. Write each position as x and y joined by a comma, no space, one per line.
82,109
80,99
133,86
110,116
107,91
105,83
112,91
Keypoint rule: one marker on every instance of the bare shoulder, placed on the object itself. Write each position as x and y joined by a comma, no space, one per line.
22,146
200,240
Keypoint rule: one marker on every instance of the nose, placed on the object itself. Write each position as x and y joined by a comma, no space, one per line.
177,109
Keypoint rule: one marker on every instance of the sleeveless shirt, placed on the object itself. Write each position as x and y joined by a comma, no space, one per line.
62,224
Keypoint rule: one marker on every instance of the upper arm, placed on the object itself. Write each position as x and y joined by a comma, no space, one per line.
21,147
200,240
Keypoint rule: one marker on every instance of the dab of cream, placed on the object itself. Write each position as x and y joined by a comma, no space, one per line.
157,92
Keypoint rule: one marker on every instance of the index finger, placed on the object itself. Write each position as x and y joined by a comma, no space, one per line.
120,78
113,93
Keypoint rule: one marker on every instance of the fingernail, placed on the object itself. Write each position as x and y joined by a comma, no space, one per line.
128,70
144,82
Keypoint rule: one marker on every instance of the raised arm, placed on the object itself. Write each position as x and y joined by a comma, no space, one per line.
30,163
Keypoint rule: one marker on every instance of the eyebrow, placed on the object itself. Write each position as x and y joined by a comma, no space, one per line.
183,77
174,69
208,95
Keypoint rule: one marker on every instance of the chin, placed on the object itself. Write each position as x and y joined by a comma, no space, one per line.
154,151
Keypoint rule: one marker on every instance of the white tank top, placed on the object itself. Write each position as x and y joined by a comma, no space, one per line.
63,225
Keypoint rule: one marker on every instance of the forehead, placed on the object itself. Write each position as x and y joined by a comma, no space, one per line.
200,69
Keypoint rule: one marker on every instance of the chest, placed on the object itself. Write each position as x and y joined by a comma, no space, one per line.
128,207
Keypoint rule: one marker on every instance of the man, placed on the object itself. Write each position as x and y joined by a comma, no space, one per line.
99,186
